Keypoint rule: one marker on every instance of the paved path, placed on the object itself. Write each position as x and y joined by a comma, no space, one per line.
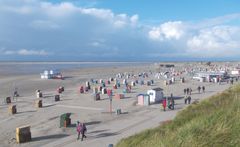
125,125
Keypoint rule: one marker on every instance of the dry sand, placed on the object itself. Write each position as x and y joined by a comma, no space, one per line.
103,128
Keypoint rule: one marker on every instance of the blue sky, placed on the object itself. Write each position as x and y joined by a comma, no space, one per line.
119,30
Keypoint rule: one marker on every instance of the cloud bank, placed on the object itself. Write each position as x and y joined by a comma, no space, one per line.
65,31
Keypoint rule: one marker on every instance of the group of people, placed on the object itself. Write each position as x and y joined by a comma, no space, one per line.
187,91
81,130
168,102
187,99
201,88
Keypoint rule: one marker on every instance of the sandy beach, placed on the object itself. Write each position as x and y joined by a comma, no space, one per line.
103,127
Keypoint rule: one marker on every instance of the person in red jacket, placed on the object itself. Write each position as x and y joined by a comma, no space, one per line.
164,104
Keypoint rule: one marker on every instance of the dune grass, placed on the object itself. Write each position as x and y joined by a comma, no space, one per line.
214,122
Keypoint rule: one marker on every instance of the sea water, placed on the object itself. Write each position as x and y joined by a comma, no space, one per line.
23,68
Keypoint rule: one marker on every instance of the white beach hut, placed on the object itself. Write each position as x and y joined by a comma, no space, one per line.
156,95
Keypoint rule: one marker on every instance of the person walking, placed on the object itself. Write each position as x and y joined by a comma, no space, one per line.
79,128
199,89
185,99
171,106
185,90
83,131
203,89
189,99
164,104
190,91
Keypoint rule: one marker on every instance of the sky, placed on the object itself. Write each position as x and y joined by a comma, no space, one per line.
119,30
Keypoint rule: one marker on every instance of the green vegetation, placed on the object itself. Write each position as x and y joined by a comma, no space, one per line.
215,122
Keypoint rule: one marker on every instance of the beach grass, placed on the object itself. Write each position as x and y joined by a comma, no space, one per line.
214,122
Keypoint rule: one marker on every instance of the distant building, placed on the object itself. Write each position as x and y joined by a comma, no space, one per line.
51,74
167,65
235,71
209,76
155,94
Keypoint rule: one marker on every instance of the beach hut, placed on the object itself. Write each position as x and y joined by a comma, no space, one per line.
182,80
143,99
8,100
96,96
12,109
65,120
104,91
119,96
23,134
51,74
38,103
88,85
118,84
133,83
109,92
126,90
235,72
152,82
108,82
39,93
111,79
114,86
81,90
118,111
202,79
86,89
95,90
155,94
136,81
124,81
57,97
103,84
99,88
60,89
148,83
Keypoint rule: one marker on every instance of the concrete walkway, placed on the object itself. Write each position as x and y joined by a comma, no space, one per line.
129,124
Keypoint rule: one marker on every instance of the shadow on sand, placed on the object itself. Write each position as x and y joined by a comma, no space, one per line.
27,111
101,135
99,131
55,136
92,123
45,106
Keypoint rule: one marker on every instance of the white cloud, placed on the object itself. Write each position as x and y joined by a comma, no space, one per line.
25,52
58,10
65,26
168,30
216,41
44,24
134,19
